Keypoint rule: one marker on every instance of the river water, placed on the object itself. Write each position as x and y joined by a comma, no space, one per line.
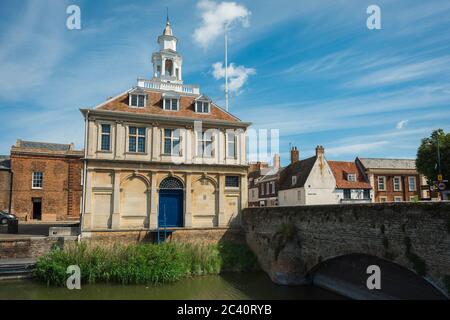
226,286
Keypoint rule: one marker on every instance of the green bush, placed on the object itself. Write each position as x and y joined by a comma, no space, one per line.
143,263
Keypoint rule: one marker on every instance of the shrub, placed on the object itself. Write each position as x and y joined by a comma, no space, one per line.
142,263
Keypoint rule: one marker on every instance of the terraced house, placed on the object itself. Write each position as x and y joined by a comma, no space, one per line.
162,154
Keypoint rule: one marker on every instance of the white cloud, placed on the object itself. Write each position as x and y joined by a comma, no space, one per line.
355,149
237,75
215,16
401,124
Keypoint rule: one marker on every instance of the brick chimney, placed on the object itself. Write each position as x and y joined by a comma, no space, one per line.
320,151
295,155
276,161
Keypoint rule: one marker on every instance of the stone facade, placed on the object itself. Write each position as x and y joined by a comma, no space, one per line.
291,241
31,247
162,145
59,195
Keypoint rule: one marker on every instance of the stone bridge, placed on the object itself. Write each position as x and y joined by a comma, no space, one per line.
291,242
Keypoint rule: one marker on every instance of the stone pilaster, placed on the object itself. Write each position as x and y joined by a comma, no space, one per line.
115,221
153,201
188,200
221,192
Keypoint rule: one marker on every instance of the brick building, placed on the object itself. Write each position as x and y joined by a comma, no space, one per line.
263,183
46,181
351,184
394,180
5,183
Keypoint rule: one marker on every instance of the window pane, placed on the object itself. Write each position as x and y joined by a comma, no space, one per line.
167,133
167,146
141,101
347,194
134,100
132,144
141,131
366,194
132,130
233,181
167,104
105,142
141,144
106,128
174,104
176,146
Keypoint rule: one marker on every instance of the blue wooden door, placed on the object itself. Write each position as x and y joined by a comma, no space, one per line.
170,208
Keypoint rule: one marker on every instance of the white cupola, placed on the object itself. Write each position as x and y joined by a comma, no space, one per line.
167,62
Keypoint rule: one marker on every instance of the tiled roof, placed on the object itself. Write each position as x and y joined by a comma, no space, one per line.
270,175
44,145
340,170
154,105
5,162
300,169
380,163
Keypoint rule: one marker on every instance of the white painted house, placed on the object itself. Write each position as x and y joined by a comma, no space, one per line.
307,182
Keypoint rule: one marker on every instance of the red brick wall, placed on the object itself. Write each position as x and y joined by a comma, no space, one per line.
405,194
5,186
61,190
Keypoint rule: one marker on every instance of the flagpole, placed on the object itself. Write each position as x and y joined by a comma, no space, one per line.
226,67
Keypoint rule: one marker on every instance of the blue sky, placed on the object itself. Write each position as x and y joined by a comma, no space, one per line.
311,68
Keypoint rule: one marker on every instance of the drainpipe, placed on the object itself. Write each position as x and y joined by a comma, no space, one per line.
83,204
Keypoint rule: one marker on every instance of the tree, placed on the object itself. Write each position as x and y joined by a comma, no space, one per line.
427,156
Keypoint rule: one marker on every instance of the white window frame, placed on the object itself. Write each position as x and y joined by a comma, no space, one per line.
173,139
203,138
138,99
294,180
177,99
383,198
399,183
384,183
136,136
232,142
412,178
35,179
101,134
203,103
351,177
398,197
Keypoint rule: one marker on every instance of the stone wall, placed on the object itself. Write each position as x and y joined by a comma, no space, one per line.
291,241
202,236
33,247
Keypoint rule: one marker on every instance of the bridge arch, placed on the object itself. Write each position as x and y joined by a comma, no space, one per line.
290,241
351,271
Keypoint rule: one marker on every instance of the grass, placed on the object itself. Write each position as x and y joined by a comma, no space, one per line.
143,263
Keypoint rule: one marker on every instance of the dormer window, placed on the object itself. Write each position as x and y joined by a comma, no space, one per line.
351,177
137,98
294,180
171,104
202,107
202,104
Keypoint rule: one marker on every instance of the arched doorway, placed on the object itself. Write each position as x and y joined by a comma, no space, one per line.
170,203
